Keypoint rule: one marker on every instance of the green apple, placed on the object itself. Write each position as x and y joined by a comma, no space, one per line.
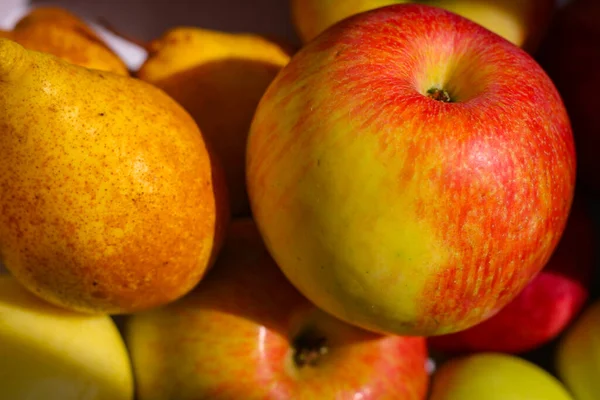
578,355
52,354
523,22
495,376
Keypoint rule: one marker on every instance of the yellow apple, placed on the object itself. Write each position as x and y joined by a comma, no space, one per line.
52,354
522,22
495,376
578,355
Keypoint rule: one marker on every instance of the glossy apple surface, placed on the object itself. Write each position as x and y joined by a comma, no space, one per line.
219,78
410,171
246,333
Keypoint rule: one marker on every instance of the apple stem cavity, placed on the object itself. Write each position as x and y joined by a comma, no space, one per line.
439,95
309,348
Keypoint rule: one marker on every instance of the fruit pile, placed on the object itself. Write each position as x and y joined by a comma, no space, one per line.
399,207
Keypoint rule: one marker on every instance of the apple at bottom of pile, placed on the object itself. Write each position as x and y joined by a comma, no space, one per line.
245,332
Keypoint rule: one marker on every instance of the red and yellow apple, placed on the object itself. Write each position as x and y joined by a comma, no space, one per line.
546,306
410,171
495,376
246,333
570,54
522,22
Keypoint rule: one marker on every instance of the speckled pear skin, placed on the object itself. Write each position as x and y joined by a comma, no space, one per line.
111,201
61,33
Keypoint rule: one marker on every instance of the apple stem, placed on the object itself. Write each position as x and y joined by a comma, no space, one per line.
309,349
439,95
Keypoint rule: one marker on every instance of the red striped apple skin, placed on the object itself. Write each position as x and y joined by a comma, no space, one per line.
396,212
548,305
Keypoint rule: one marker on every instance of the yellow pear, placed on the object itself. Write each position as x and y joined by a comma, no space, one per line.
53,354
59,32
219,78
111,202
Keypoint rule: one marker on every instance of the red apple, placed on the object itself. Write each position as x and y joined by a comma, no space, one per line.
545,307
410,171
246,333
571,55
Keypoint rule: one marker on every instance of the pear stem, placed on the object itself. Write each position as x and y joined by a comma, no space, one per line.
12,60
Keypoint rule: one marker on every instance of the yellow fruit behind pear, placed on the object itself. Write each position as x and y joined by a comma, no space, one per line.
52,354
59,32
522,22
218,78
494,376
111,201
578,355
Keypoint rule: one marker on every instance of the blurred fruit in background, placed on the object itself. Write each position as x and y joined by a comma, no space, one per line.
578,355
522,22
246,333
494,376
61,33
52,354
219,78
